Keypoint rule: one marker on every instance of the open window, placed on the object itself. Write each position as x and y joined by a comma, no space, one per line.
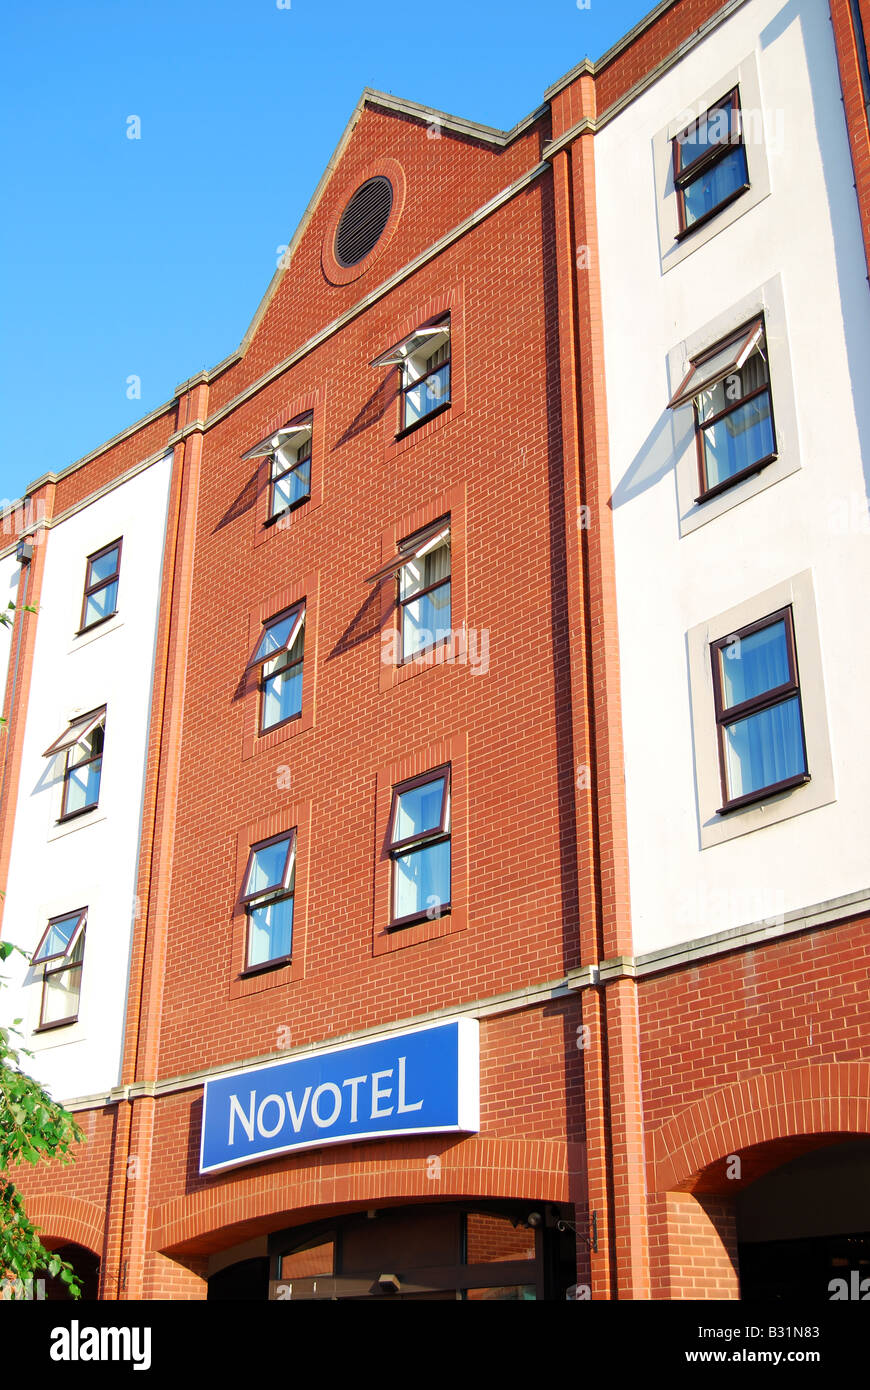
419,840
100,600
710,168
728,386
279,655
82,743
268,896
289,453
60,953
421,567
423,360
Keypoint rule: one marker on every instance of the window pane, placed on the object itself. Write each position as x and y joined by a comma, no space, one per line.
738,440
90,747
274,638
517,1293
715,185
732,388
268,866
58,937
423,573
426,358
293,452
291,488
83,786
753,665
423,399
270,931
422,880
426,620
714,128
490,1239
102,567
764,748
314,1262
60,994
101,604
69,739
282,696
419,810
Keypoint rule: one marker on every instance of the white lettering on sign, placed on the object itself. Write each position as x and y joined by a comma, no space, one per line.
296,1119
315,1113
236,1112
402,1108
326,1102
354,1081
270,1100
379,1094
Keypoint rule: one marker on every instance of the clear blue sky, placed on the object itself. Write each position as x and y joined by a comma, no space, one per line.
149,256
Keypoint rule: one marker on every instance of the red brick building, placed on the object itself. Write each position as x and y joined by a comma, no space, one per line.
385,573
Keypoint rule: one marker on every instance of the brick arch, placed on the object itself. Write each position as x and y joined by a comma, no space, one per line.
776,1115
243,1207
62,1219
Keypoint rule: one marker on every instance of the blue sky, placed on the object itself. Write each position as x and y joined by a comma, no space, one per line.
148,257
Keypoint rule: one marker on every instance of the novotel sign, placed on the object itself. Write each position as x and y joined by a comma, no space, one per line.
423,1081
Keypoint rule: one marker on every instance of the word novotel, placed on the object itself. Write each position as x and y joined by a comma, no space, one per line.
423,1081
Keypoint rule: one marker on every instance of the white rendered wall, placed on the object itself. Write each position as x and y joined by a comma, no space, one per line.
807,232
90,861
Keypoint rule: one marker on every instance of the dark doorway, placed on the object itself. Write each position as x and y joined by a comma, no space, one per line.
513,1252
245,1282
85,1264
803,1229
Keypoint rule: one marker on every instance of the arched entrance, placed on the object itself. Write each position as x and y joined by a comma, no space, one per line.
735,1177
85,1264
803,1229
439,1251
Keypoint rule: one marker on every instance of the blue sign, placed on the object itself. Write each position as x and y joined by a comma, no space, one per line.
424,1081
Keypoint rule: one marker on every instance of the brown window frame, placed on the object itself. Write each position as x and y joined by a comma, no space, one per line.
261,661
81,916
406,386
100,584
90,722
268,449
732,713
686,174
750,337
275,478
436,835
397,356
65,968
408,550
278,892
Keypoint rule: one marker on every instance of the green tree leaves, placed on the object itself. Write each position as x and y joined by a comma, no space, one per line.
33,1129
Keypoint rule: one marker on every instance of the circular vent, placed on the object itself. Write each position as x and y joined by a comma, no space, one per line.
363,221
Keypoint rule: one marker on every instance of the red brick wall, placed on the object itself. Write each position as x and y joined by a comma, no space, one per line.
756,1056
523,915
798,1002
694,1247
531,1120
853,103
447,179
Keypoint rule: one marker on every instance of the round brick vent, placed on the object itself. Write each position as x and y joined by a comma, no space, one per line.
363,221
